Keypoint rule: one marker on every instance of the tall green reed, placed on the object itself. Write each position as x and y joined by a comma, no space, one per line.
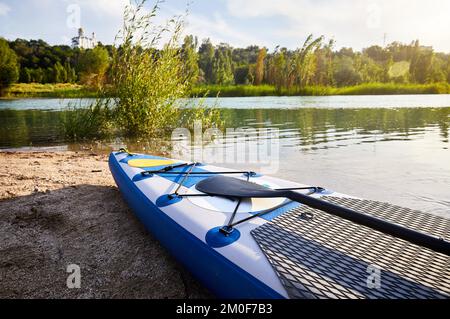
146,90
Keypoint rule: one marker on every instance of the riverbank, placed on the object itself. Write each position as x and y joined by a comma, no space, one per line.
58,90
363,89
69,90
61,208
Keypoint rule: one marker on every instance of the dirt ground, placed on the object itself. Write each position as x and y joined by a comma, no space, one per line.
62,208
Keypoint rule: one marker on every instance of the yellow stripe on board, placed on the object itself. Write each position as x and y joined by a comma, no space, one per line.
144,162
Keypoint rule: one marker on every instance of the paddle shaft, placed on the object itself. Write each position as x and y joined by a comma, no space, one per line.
238,188
415,237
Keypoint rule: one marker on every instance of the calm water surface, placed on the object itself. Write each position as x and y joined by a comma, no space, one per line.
388,148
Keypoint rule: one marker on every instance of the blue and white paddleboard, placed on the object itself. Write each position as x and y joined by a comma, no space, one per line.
230,266
277,248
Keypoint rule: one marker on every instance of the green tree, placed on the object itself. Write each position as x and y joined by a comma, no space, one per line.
37,75
206,54
25,75
277,68
58,74
346,52
448,69
242,75
9,66
70,72
222,66
93,65
378,54
421,66
369,70
401,52
49,75
345,72
437,70
259,67
246,56
190,59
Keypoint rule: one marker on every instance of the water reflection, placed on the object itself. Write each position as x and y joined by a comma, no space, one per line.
396,155
325,128
30,127
303,129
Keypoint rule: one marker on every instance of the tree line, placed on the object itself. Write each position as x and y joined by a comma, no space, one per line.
35,61
315,63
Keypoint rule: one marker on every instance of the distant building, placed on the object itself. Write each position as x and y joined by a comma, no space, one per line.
84,42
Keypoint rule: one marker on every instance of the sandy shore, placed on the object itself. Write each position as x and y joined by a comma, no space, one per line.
61,208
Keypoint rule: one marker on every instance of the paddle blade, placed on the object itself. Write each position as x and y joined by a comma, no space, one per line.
233,187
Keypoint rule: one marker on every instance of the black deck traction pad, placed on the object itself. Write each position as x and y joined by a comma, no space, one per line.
329,257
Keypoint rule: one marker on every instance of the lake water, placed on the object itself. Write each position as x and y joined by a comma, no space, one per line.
388,148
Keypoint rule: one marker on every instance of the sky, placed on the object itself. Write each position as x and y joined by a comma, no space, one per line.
351,23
